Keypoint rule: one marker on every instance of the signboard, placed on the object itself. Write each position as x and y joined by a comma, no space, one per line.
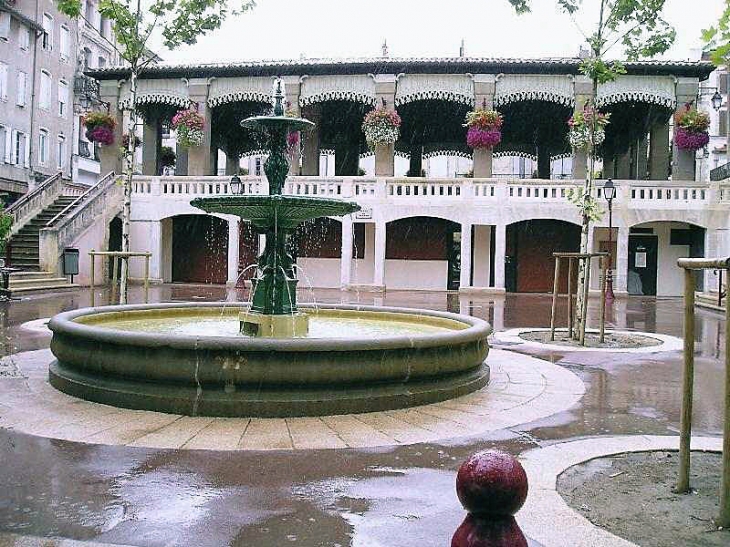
640,258
364,214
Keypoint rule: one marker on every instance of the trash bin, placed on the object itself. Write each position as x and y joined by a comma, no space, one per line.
71,262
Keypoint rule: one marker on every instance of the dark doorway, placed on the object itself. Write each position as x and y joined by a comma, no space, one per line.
115,244
530,266
248,249
453,253
199,249
642,264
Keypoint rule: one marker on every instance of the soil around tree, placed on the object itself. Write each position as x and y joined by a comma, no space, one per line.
630,495
613,340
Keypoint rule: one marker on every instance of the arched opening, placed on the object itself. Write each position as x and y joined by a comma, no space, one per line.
115,243
199,249
236,141
341,130
423,253
530,266
654,248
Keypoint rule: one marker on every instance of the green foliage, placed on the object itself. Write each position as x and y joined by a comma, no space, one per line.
586,203
178,21
600,71
6,223
717,38
167,156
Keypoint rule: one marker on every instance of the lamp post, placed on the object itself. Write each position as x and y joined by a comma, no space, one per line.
716,101
236,185
609,192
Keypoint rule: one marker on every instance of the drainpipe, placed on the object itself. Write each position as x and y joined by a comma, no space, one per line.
32,91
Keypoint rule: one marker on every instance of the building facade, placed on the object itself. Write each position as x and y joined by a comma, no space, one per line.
38,48
494,230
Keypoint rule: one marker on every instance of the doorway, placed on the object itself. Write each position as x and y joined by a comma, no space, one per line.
642,275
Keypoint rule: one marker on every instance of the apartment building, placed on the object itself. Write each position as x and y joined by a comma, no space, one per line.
38,46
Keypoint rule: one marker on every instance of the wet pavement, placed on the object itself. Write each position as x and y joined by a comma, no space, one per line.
396,496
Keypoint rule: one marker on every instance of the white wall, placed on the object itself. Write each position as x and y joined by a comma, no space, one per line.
416,274
670,281
322,273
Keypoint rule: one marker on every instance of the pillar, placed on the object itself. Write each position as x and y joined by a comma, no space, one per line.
608,168
369,254
292,90
151,146
154,245
416,161
379,264
233,161
642,148
385,94
466,246
199,157
484,89
659,150
310,159
233,251
500,251
623,165
109,156
683,161
621,268
481,259
181,161
346,253
582,90
543,160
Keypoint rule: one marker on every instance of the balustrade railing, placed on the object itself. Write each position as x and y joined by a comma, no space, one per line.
32,203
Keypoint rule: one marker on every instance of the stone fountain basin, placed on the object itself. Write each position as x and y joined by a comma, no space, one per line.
241,376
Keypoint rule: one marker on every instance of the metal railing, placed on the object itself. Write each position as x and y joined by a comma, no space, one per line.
29,205
720,173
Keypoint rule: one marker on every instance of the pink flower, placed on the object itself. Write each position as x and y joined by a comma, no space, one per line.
102,135
477,137
690,140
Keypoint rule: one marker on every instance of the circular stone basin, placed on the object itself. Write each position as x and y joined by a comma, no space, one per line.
189,359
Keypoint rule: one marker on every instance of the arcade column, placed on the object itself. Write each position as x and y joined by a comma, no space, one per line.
484,89
200,158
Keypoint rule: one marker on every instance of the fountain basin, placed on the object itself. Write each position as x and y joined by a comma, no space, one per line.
431,356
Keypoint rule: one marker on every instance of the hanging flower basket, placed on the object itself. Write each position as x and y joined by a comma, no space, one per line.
99,127
188,126
381,127
580,135
485,128
692,127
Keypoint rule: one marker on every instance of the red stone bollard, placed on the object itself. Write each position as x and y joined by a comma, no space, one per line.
492,486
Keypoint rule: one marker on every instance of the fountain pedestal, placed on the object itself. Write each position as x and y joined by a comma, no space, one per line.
262,325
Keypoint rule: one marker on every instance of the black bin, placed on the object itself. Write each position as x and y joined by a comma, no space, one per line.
71,262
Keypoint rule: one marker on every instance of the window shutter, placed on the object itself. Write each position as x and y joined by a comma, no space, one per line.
723,123
7,153
723,76
4,25
26,160
13,149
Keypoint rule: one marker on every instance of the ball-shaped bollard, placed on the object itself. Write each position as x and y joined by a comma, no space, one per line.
491,483
499,531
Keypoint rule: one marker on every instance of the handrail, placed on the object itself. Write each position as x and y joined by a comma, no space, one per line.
37,190
81,198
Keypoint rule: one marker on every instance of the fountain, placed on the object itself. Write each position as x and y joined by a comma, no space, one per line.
271,358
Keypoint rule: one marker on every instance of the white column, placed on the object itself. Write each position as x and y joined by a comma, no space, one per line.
500,249
233,232
346,253
156,248
465,278
621,268
379,266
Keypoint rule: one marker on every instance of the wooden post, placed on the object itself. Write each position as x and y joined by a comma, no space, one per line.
570,298
114,279
147,278
724,518
685,427
584,309
604,286
91,284
555,298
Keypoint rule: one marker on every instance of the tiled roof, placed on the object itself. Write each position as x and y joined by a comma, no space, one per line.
396,65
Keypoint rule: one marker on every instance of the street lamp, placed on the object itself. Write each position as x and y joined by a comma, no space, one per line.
609,192
236,185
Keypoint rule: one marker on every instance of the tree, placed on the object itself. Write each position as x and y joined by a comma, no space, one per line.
638,27
134,22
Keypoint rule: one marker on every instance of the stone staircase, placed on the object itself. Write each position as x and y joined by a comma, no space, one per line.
24,252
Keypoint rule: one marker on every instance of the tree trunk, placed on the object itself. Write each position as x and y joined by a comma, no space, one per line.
129,166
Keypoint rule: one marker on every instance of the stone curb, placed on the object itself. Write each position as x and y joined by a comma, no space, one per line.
669,343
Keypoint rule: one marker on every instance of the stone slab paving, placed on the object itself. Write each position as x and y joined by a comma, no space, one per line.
668,343
523,389
546,511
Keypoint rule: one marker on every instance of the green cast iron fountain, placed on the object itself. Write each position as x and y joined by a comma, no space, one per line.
273,311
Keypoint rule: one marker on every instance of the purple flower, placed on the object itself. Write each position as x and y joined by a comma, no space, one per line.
477,137
690,140
102,135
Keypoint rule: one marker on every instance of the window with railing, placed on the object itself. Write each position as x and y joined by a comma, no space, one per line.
84,150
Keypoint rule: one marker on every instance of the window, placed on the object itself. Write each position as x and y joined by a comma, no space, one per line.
24,37
43,146
61,152
21,151
22,82
62,98
102,62
47,32
3,84
4,142
87,58
64,42
4,25
45,100
723,122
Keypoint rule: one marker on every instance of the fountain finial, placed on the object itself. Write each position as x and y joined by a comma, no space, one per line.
279,99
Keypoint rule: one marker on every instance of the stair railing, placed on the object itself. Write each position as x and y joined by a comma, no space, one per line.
99,204
32,203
